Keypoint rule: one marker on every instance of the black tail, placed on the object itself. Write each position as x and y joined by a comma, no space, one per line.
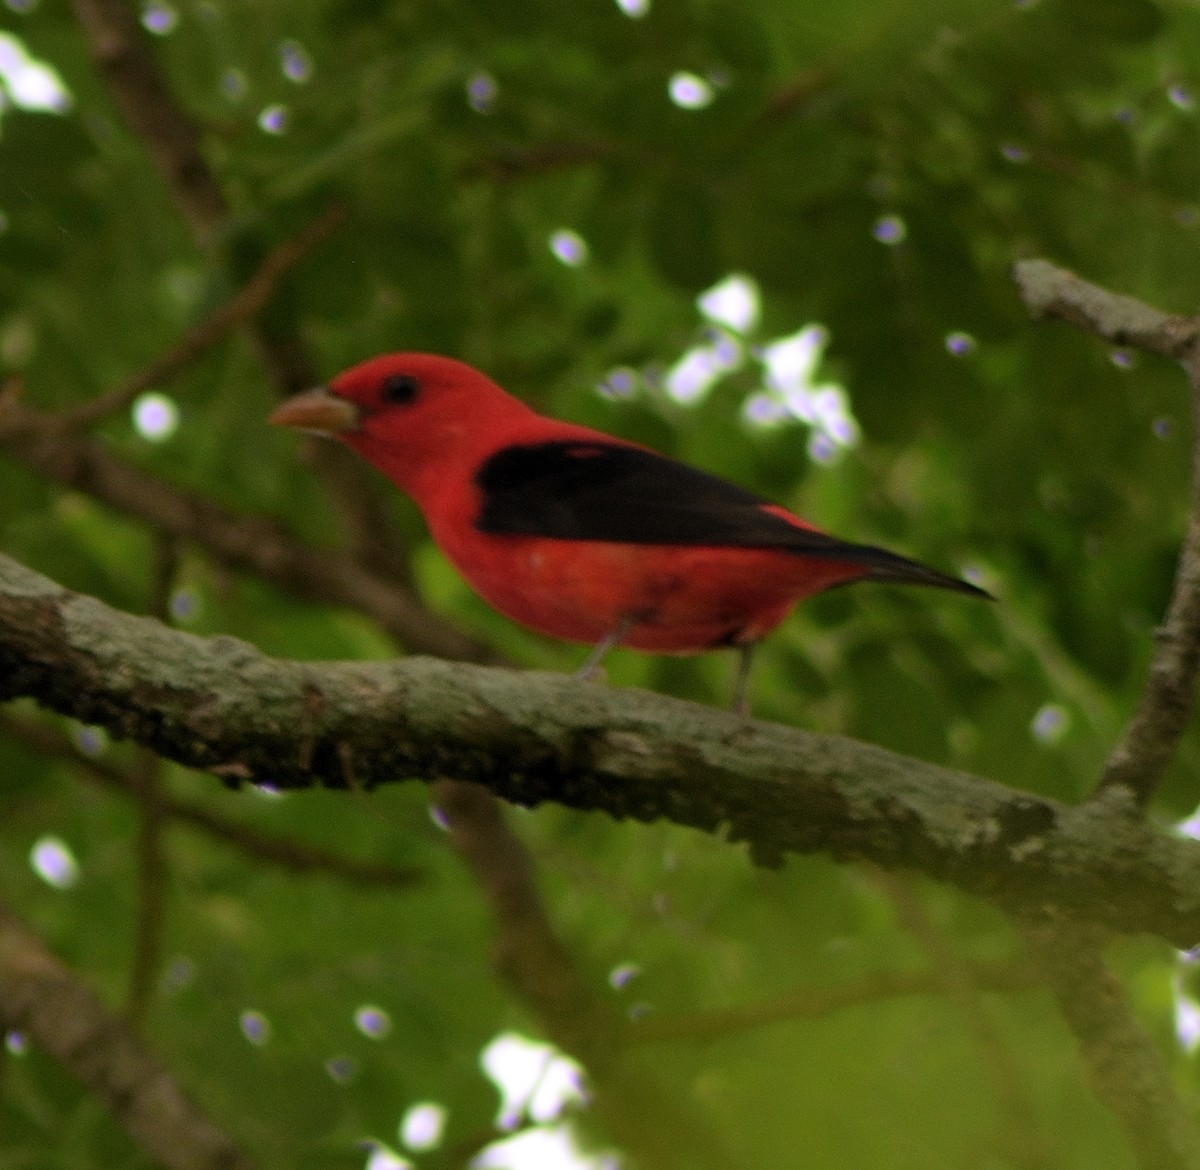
892,567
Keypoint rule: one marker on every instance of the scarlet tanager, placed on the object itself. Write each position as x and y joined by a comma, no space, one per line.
580,535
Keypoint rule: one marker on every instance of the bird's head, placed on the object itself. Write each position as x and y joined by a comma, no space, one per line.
404,412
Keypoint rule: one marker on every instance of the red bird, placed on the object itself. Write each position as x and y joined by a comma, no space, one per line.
580,535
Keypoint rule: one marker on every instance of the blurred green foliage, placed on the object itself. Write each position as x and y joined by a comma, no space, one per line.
461,135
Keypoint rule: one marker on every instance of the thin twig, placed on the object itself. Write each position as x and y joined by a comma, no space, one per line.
120,48
1148,744
1020,1135
122,51
814,1003
1140,758
247,304
1055,293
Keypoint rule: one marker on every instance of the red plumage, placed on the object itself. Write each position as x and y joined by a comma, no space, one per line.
577,534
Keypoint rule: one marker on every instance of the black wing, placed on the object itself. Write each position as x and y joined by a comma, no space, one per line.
584,490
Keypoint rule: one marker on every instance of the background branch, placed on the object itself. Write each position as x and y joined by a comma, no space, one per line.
123,54
119,48
1002,977
253,297
659,1129
1128,1071
238,541
1019,1134
45,1001
268,848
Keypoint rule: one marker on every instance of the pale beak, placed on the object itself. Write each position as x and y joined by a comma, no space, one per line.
317,411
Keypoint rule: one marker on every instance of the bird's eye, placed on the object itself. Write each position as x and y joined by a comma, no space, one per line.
399,389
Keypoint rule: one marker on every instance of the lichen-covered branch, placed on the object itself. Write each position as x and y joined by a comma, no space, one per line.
1054,293
219,704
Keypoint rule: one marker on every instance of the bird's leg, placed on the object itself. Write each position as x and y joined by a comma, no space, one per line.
591,665
741,684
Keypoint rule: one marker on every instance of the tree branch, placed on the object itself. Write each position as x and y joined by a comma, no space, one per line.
1168,700
1053,293
219,704
125,58
1148,744
43,999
